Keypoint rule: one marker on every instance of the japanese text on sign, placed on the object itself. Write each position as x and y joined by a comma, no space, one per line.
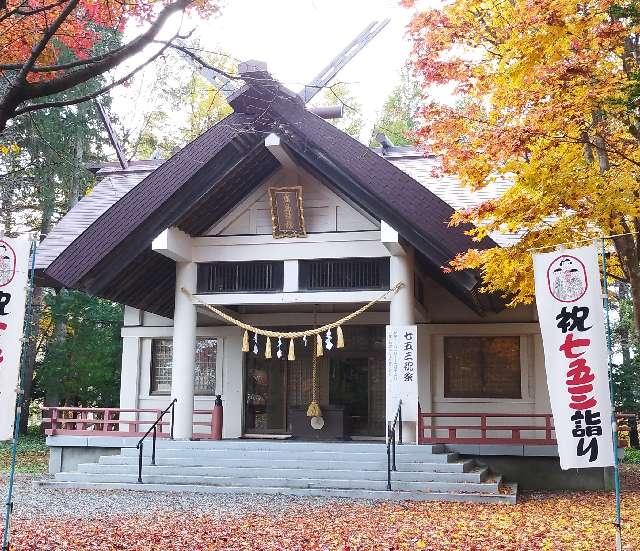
569,301
402,371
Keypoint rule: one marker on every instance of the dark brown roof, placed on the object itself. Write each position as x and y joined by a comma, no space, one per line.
112,258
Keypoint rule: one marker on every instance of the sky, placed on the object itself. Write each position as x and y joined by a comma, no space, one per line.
297,39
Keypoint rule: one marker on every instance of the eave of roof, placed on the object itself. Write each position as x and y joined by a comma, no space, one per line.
128,227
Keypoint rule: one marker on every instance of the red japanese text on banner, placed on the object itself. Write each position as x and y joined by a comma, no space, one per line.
14,261
569,301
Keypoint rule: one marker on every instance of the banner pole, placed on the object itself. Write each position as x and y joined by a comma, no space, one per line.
19,398
614,428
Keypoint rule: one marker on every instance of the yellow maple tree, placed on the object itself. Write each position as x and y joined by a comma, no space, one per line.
547,95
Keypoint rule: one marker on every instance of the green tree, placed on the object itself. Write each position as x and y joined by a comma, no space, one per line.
341,94
398,118
45,175
180,104
626,374
81,361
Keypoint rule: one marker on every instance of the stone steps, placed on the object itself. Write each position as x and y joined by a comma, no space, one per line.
324,455
356,470
280,482
381,464
477,475
477,497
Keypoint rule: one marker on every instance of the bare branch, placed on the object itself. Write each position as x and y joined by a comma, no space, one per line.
62,66
65,82
92,95
199,60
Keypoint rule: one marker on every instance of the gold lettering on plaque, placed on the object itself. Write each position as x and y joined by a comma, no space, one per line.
287,215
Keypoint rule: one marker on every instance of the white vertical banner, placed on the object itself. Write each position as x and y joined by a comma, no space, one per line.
402,371
14,267
569,301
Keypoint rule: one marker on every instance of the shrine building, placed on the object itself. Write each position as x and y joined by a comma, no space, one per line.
275,221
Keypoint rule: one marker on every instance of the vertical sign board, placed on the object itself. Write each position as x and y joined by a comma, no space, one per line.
14,261
402,371
569,300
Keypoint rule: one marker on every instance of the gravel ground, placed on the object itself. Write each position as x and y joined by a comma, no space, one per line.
32,501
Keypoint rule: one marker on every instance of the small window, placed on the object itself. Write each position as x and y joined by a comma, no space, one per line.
240,277
482,367
205,368
342,274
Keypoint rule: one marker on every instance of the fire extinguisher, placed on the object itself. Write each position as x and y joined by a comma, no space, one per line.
216,419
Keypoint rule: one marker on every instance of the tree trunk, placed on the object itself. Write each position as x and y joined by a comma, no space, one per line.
634,283
629,257
6,202
27,382
625,347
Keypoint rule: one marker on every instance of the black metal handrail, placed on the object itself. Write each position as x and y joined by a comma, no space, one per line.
391,442
154,428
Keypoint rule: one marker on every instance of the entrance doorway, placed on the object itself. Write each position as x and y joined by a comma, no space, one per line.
351,380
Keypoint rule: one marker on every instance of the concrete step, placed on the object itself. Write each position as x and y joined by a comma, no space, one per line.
489,486
328,455
379,464
329,472
376,495
289,445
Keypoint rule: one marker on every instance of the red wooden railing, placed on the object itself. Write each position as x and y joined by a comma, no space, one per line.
486,428
206,423
77,421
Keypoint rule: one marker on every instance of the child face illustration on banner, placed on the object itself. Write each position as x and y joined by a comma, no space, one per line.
567,278
7,263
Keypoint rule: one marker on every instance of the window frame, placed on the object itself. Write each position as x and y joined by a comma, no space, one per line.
487,396
527,360
217,367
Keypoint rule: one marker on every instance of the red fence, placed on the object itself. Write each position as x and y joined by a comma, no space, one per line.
485,428
72,421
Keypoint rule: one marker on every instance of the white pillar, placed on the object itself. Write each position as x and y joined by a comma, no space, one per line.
130,372
184,347
401,312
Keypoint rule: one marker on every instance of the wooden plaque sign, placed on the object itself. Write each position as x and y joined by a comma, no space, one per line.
287,214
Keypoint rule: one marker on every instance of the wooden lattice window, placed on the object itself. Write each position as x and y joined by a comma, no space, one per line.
240,277
341,274
482,367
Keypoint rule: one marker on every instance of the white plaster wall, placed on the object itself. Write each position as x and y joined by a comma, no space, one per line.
135,384
324,211
535,396
443,307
